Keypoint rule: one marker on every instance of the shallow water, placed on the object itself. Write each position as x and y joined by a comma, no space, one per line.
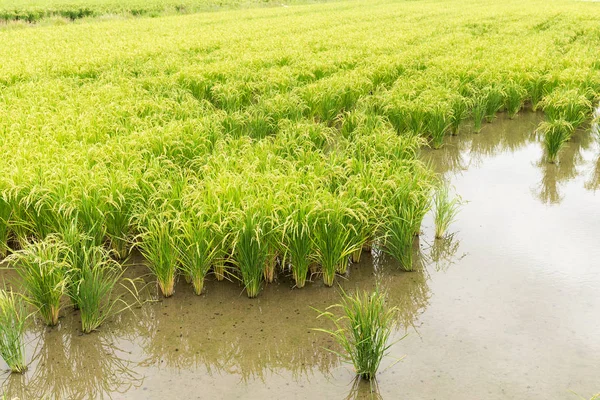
507,307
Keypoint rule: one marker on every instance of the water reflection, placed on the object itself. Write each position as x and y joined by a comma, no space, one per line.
221,332
501,136
571,158
443,252
468,149
67,365
593,182
362,389
225,333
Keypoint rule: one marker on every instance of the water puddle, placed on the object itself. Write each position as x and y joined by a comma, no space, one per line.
506,307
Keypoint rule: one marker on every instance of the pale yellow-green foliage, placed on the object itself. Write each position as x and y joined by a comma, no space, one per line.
117,121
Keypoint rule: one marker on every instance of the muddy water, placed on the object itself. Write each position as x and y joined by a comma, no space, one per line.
507,307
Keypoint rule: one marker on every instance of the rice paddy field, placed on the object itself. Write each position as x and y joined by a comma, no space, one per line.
180,189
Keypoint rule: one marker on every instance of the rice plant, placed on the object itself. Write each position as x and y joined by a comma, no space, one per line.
568,105
158,245
439,122
460,111
297,242
76,245
118,217
479,112
332,239
13,318
43,269
556,133
405,210
198,243
494,101
363,330
5,213
515,98
446,210
250,251
98,277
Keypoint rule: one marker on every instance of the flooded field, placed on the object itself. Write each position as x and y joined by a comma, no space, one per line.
505,308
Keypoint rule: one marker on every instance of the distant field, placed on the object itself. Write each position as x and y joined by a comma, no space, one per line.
36,10
267,129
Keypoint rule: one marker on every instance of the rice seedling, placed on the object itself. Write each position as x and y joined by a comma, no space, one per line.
13,318
363,330
556,133
250,250
43,270
98,277
158,245
446,210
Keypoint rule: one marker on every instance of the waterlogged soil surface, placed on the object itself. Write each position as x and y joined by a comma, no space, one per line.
507,307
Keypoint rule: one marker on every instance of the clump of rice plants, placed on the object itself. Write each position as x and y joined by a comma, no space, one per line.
460,111
98,277
479,112
118,213
198,243
43,269
13,317
539,86
515,97
363,330
405,210
297,242
76,244
568,105
158,245
438,123
332,238
494,101
556,133
446,210
250,250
